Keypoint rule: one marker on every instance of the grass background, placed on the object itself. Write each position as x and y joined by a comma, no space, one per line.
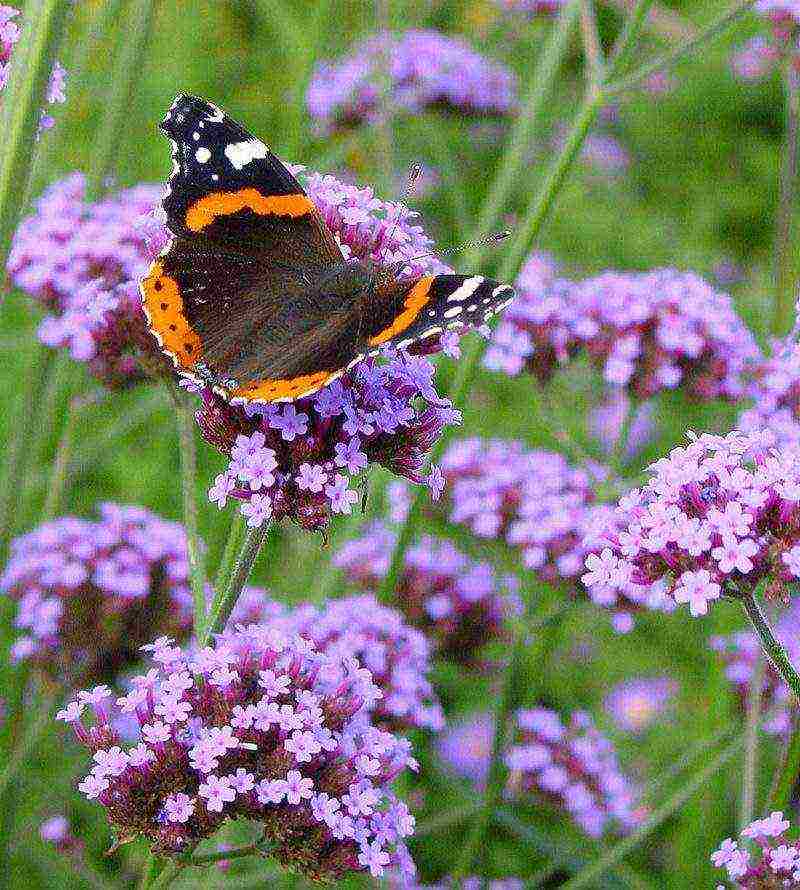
701,189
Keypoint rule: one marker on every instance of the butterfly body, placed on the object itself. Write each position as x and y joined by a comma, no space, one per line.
253,295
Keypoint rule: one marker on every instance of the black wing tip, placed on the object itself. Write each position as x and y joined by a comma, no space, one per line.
188,110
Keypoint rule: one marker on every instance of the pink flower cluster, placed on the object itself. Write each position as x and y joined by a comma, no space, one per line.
90,593
775,390
575,767
761,55
779,864
537,502
645,331
360,627
262,727
460,604
716,517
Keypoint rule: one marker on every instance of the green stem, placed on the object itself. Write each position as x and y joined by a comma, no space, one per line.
589,876
186,436
30,739
783,255
788,770
225,599
447,820
58,476
627,40
127,72
223,855
593,51
23,98
773,649
703,36
750,760
167,876
236,535
683,763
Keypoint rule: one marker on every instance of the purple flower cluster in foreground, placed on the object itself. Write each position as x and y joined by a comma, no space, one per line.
298,460
645,331
465,748
425,69
779,862
81,261
90,594
9,37
397,655
636,704
775,390
536,501
716,517
260,726
575,767
741,653
460,604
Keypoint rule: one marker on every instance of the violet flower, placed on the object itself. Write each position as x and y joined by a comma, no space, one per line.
465,747
777,863
89,594
715,518
426,69
574,767
460,605
260,727
636,704
57,832
775,390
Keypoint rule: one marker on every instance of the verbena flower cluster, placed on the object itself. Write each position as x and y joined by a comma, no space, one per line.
536,501
89,594
716,517
57,832
423,69
397,655
778,865
645,331
761,55
81,260
636,704
741,653
460,604
574,766
9,37
775,390
465,747
260,726
298,460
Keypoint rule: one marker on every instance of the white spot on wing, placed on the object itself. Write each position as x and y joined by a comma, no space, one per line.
202,155
453,311
242,153
467,289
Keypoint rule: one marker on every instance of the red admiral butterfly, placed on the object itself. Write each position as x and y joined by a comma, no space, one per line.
253,296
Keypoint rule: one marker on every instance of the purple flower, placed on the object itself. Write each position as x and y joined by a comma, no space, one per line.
607,422
716,516
167,798
458,603
779,864
57,831
81,260
635,704
575,767
89,594
775,391
427,70
465,748
645,331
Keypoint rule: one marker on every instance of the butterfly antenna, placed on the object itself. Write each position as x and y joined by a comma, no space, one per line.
494,238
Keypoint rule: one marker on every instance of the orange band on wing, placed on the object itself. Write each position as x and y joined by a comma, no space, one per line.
290,388
203,212
163,306
412,306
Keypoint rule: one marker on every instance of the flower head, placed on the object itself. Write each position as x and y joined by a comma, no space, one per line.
89,594
458,603
775,391
575,767
465,748
778,864
716,517
237,755
427,70
635,704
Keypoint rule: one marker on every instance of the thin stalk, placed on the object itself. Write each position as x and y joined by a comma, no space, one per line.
788,769
447,820
773,649
618,454
30,739
783,255
127,68
683,763
628,39
186,437
236,535
384,127
222,855
591,42
665,23
703,36
58,476
225,599
24,96
588,877
750,759
169,873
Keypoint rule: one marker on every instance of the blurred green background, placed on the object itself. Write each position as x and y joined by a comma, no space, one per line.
700,190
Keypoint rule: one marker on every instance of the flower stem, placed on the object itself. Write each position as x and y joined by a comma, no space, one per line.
788,769
750,761
222,855
127,67
772,648
784,298
30,738
225,598
23,98
170,871
589,876
232,546
185,421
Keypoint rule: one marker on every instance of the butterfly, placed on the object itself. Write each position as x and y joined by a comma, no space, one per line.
253,296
